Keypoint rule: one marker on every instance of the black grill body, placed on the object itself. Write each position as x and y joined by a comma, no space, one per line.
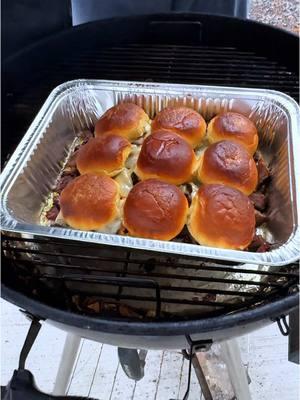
191,48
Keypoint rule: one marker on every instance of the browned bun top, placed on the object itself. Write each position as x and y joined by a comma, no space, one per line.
124,119
155,210
184,121
221,216
90,202
165,155
235,127
104,155
228,163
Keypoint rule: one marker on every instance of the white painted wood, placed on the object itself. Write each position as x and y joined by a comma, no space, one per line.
123,388
146,388
45,355
14,328
75,365
106,373
272,376
66,365
84,372
96,371
237,373
168,384
195,391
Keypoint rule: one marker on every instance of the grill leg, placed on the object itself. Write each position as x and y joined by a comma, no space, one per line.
221,373
236,370
66,364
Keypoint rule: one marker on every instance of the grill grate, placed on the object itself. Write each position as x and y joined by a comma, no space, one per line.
166,63
222,66
164,287
57,271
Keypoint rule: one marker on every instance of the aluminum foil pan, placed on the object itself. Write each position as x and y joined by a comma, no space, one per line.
76,105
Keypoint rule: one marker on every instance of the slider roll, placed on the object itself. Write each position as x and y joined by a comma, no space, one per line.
155,210
228,163
104,155
166,156
90,202
125,119
221,216
235,127
184,121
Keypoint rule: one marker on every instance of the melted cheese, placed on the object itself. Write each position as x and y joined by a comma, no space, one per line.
185,190
199,150
125,182
132,159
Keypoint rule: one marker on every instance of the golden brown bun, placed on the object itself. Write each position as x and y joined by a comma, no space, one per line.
104,155
155,210
182,120
230,164
90,202
235,127
125,119
221,216
166,156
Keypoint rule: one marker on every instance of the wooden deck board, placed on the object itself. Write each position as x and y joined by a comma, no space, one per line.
97,372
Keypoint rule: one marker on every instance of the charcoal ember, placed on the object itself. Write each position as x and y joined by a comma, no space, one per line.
88,304
259,200
94,305
53,212
85,136
259,244
210,297
129,312
260,218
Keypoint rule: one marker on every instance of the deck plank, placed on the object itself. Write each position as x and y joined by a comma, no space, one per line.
84,371
97,372
106,373
147,387
168,383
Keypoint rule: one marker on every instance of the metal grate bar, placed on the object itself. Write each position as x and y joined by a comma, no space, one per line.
177,276
202,265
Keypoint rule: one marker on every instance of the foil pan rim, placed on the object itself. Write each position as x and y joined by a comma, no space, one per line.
285,254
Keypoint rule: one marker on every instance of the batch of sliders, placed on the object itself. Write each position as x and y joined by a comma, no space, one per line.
172,178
